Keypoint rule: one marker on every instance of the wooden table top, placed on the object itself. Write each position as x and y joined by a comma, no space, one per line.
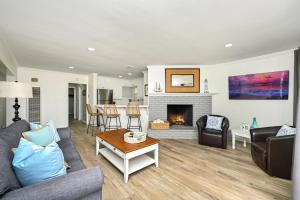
116,139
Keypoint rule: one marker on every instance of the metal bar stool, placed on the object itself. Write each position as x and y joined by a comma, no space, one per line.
133,112
111,112
93,118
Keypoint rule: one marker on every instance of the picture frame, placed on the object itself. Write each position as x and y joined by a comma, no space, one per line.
259,86
182,80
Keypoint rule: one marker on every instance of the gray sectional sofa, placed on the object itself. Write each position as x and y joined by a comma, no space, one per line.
79,183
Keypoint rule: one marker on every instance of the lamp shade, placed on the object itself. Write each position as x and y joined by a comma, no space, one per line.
15,90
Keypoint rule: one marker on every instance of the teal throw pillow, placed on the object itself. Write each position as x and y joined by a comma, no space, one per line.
52,128
41,136
33,164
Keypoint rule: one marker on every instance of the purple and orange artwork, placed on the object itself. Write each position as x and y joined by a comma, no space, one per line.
261,86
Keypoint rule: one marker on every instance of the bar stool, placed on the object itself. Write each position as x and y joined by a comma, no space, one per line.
133,111
93,118
110,111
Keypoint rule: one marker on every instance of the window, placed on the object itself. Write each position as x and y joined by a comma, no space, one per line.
34,106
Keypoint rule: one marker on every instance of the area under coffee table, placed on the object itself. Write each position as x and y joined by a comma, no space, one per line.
128,158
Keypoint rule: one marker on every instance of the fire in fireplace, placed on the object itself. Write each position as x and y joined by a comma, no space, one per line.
180,114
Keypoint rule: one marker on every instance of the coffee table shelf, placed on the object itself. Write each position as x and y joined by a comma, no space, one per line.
135,164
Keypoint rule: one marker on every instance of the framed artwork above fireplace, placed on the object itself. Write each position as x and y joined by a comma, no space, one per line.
182,80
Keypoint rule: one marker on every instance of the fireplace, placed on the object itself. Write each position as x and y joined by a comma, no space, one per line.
180,115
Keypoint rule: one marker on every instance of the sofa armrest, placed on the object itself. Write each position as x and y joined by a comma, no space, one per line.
64,133
280,155
75,185
261,134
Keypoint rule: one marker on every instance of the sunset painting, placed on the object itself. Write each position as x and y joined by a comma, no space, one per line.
270,85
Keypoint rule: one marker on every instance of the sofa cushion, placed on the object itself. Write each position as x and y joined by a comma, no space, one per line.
12,134
8,179
71,155
20,126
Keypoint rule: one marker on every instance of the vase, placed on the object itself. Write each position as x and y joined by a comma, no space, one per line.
206,86
254,123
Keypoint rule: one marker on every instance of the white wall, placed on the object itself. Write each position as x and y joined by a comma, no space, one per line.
267,112
92,88
7,58
54,93
156,74
105,82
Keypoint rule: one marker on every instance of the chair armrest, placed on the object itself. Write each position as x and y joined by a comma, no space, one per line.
261,134
280,155
201,122
64,133
75,185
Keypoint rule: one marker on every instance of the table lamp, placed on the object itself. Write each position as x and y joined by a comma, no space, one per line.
15,90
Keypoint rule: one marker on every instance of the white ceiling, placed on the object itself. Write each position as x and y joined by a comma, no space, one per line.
55,34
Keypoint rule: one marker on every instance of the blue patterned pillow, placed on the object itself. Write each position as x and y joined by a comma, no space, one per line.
214,122
286,130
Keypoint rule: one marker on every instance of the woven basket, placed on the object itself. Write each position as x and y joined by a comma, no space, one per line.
160,126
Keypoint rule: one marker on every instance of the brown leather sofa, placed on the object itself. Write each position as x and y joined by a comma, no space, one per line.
211,137
272,154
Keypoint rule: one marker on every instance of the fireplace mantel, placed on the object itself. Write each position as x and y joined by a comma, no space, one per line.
182,94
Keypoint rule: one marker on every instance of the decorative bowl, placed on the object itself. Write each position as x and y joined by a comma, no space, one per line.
135,137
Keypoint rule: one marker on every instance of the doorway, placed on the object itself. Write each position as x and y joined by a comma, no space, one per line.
77,101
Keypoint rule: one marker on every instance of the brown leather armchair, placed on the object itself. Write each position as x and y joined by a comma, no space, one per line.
272,154
211,137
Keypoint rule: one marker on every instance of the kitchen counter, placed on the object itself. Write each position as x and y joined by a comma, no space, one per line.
123,106
124,119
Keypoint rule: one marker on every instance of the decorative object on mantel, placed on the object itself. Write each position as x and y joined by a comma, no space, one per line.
15,90
157,87
260,86
182,80
135,137
254,123
159,124
146,90
206,86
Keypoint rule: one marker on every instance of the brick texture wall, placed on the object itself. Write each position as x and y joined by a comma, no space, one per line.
202,105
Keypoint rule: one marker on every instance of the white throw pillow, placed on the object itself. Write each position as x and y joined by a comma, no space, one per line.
214,122
286,130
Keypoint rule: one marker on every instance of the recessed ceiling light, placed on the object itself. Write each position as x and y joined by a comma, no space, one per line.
129,73
91,49
120,76
228,45
71,67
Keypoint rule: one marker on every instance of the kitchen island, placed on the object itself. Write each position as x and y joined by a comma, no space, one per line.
122,111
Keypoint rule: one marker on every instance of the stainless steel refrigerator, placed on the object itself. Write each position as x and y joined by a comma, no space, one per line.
105,96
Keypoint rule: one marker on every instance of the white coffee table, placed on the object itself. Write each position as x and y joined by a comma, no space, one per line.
128,158
238,132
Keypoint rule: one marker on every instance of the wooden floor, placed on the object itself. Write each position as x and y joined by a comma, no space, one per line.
186,171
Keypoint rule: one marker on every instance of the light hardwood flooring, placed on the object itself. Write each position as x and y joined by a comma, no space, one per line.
186,170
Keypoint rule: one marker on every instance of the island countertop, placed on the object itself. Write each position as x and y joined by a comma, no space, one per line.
122,106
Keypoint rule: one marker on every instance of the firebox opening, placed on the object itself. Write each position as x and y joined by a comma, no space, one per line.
180,115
